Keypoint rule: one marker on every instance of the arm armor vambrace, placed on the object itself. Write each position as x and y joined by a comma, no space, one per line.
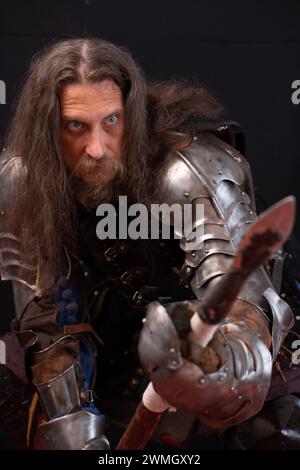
212,173
13,267
58,378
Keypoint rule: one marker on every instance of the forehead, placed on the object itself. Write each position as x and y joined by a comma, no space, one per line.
100,97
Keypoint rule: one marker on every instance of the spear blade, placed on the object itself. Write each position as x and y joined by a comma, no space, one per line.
268,233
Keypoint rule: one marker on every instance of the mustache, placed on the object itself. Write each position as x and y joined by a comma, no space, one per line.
92,169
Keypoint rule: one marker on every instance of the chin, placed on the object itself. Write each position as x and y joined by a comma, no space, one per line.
95,180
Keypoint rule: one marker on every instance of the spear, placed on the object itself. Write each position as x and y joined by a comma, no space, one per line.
267,235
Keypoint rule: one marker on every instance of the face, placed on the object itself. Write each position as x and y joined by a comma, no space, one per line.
92,128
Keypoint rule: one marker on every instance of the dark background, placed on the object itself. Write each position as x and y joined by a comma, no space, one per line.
248,51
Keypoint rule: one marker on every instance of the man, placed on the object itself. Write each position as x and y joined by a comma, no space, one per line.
87,130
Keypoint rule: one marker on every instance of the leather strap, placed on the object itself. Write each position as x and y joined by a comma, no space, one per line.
81,328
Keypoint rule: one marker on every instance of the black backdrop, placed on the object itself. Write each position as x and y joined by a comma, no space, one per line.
248,51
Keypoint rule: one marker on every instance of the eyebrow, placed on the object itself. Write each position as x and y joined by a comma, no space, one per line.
68,117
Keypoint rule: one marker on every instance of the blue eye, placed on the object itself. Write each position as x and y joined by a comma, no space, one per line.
74,125
113,119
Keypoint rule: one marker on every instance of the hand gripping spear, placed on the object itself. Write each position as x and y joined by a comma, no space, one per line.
264,237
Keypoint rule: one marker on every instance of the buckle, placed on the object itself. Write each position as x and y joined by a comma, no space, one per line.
127,277
110,254
137,297
87,396
145,295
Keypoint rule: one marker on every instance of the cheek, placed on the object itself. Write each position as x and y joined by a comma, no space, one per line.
71,150
117,147
120,139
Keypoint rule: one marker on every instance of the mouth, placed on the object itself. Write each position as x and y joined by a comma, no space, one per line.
97,171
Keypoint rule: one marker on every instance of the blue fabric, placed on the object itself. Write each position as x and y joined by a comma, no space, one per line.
67,298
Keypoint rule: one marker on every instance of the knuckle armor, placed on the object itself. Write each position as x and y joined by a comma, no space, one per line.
222,398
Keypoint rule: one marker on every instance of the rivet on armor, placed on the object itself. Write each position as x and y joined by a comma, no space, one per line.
232,389
172,350
144,320
202,381
290,256
220,172
195,137
49,386
2,212
174,362
85,273
283,295
243,193
188,269
193,254
250,212
221,378
240,397
206,251
96,292
172,409
222,127
187,194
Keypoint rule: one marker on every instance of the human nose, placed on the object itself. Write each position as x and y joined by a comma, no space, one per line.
96,144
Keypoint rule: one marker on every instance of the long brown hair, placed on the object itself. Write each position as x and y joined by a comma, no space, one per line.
44,206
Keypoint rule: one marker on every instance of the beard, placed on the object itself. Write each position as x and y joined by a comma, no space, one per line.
97,181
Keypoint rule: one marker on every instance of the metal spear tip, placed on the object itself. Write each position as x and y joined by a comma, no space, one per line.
268,233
